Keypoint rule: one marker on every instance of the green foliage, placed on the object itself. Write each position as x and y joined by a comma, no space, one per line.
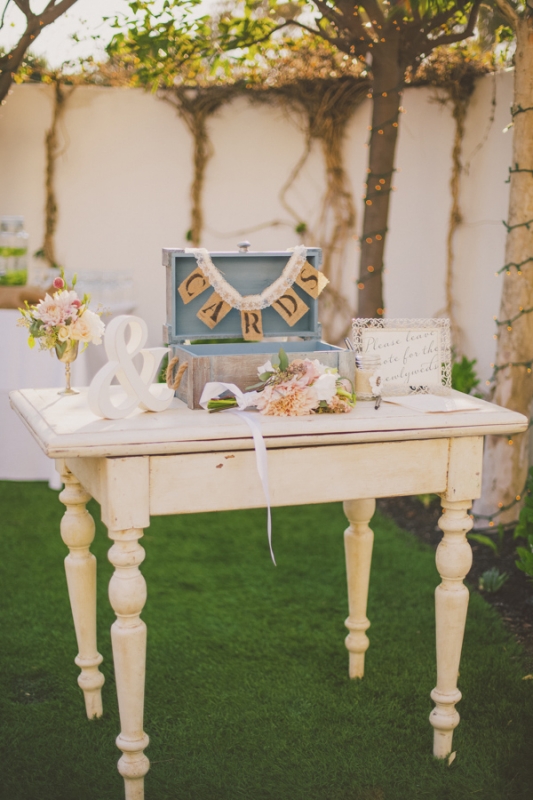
524,530
492,580
301,228
464,376
495,544
16,277
426,499
247,688
162,377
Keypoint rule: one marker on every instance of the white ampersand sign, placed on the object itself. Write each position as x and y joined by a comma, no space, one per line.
121,351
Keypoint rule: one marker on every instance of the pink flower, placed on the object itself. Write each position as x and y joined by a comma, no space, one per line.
58,283
54,311
76,303
288,399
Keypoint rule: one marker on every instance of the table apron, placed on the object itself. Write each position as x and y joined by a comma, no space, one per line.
216,481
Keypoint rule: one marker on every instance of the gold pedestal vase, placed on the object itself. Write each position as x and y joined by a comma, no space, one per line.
67,355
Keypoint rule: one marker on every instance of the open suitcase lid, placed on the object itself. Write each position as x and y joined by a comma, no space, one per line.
249,272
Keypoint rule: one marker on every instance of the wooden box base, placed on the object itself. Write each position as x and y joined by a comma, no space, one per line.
238,363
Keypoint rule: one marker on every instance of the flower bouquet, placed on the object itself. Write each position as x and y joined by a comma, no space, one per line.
291,390
60,322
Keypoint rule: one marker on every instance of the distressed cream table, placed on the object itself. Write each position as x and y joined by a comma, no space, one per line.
182,461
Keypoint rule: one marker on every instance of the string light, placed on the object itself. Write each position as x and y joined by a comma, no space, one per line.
517,265
509,322
518,109
518,225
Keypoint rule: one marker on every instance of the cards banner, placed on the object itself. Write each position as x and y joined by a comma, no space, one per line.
289,306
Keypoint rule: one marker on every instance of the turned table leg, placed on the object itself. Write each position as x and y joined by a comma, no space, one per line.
127,594
454,559
77,531
358,541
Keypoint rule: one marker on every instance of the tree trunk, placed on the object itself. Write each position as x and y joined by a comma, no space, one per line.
505,464
388,83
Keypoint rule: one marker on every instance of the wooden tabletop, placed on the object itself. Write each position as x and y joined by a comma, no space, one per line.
65,427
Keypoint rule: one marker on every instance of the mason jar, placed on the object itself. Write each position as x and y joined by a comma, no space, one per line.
13,251
366,366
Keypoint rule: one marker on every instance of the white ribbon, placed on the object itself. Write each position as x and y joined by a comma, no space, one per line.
245,399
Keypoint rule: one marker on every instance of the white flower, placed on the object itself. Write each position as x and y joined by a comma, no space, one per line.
376,382
87,328
265,368
63,333
320,368
325,386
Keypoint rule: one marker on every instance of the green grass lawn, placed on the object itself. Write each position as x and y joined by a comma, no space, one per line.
248,693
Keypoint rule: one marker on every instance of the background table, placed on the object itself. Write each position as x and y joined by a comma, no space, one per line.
21,368
182,461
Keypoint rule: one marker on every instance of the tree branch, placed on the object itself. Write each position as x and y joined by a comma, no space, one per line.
352,22
335,41
507,10
10,63
4,14
464,34
239,43
24,6
373,10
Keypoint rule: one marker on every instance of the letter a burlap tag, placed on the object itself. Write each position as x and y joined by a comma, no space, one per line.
213,310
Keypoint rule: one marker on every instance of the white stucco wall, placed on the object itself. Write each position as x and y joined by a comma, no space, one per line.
123,186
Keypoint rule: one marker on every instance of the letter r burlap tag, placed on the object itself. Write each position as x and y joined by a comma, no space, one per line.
252,325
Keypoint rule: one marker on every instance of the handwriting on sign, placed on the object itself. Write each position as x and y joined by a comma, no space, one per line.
290,307
193,285
135,386
311,280
252,325
213,310
412,357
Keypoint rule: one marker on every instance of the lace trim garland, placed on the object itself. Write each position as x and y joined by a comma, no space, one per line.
250,302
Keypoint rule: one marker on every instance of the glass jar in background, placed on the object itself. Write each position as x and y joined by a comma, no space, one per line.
13,251
366,367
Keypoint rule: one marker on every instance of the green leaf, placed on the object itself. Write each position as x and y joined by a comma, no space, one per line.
60,348
485,540
283,360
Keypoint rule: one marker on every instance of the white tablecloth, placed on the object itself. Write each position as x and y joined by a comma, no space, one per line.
21,368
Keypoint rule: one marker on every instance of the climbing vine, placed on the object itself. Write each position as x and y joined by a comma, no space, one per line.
453,73
320,89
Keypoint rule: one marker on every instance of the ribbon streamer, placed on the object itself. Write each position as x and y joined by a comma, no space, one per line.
215,389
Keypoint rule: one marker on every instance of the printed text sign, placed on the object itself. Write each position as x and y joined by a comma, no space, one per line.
411,357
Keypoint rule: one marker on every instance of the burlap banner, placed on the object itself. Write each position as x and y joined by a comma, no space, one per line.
288,305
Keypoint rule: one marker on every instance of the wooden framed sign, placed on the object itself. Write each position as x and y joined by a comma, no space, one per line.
415,353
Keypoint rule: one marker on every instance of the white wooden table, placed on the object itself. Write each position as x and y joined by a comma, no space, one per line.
182,461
